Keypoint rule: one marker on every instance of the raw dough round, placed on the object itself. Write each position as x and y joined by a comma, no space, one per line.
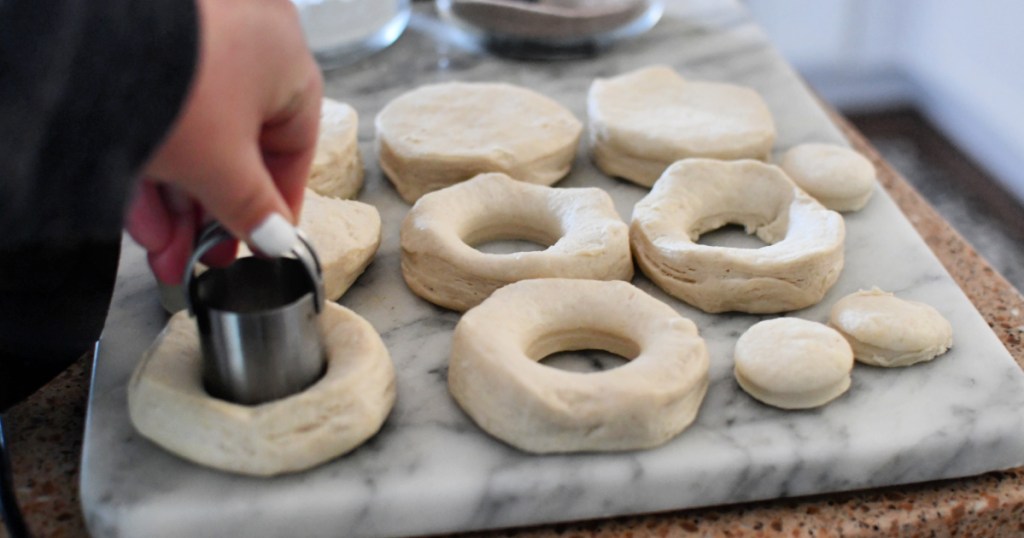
838,177
345,234
494,374
337,168
643,121
586,236
793,363
885,330
802,261
442,134
168,404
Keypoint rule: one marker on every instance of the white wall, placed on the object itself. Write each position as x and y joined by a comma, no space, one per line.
956,60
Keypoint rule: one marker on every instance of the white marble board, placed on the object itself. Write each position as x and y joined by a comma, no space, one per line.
431,470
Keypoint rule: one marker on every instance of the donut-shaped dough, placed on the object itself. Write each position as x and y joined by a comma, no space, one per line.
838,177
643,121
168,404
494,374
793,363
345,234
586,236
884,330
442,134
802,260
337,168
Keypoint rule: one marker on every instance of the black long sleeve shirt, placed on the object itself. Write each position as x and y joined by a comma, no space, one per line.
88,88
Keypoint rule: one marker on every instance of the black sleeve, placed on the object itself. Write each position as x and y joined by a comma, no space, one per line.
88,88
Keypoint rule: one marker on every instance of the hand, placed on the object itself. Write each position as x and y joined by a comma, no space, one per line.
241,148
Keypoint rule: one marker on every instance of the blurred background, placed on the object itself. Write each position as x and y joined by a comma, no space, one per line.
936,86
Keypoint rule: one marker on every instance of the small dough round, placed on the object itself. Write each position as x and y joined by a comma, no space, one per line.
884,330
802,261
495,376
586,236
643,121
793,363
168,404
337,168
441,134
838,177
345,234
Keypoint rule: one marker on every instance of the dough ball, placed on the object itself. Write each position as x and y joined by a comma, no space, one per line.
168,404
441,134
838,177
884,330
337,168
641,122
793,363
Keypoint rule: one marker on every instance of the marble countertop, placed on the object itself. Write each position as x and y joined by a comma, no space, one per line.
47,433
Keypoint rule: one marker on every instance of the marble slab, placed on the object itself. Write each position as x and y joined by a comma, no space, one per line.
431,470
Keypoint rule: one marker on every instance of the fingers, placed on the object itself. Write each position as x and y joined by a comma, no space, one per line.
288,142
148,220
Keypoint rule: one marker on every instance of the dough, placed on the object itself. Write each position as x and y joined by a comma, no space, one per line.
885,330
494,374
838,177
802,261
345,234
442,134
168,405
337,169
586,236
793,363
643,121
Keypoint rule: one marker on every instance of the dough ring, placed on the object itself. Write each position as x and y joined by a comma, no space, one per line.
643,121
586,236
838,177
168,404
337,168
442,134
793,363
802,261
885,330
495,377
345,233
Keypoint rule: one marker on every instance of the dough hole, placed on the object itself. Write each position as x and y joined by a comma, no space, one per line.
584,361
580,340
509,237
510,246
731,236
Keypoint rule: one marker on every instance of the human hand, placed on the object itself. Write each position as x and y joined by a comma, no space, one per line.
241,148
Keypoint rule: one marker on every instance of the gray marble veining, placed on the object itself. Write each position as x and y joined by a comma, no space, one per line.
432,470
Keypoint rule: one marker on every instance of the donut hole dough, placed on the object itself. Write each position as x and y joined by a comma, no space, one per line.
348,404
884,330
793,363
838,177
442,134
337,167
345,234
495,377
586,236
732,236
642,122
802,260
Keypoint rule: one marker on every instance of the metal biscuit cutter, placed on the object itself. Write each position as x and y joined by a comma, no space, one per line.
258,321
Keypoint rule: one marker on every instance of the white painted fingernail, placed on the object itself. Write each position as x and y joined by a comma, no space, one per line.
275,236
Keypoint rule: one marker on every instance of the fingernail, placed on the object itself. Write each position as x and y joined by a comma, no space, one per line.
275,236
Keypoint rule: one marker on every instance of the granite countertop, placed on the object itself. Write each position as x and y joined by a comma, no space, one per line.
47,436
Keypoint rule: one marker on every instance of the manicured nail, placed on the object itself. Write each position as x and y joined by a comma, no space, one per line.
275,236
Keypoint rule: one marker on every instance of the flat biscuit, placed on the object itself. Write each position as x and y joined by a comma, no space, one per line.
337,168
838,177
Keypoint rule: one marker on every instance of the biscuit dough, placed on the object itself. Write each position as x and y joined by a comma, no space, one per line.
884,330
586,236
345,234
838,177
441,134
495,376
337,168
802,260
793,363
168,404
643,121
